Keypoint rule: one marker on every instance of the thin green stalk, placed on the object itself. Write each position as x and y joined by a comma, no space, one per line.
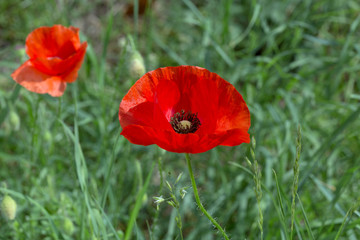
257,181
136,209
347,218
136,19
35,128
197,198
59,107
156,217
181,235
175,204
282,211
107,177
159,162
307,223
296,180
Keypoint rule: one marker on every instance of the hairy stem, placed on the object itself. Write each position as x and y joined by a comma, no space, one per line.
197,198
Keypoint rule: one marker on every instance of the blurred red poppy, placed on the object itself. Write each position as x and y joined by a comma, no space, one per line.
55,57
184,109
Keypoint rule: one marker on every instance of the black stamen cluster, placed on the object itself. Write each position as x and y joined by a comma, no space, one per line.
175,122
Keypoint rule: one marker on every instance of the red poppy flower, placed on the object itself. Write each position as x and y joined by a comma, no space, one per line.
56,55
184,109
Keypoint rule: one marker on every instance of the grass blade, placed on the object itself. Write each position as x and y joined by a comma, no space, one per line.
326,145
12,99
136,209
308,227
296,179
282,211
347,218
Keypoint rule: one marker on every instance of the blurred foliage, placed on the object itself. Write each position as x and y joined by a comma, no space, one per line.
294,62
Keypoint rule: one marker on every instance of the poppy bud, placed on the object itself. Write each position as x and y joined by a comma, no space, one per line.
136,65
120,234
68,226
145,199
14,120
47,136
8,207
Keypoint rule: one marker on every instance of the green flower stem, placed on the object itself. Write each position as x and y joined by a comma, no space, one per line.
197,198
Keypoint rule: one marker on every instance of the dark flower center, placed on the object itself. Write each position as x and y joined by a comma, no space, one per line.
184,123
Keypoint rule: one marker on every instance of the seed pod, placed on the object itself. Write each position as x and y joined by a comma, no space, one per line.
14,120
48,136
136,65
8,207
68,226
145,199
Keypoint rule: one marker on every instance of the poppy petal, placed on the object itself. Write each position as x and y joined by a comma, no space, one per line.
144,90
77,59
179,142
204,100
137,105
147,108
58,66
232,110
168,140
171,141
141,114
174,74
194,97
209,141
167,95
34,80
236,137
56,55
137,135
52,41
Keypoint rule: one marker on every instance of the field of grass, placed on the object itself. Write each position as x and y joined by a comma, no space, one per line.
297,65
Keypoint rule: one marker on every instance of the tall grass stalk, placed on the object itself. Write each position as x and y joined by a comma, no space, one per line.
281,206
156,217
347,217
257,179
109,170
136,209
307,223
174,202
296,179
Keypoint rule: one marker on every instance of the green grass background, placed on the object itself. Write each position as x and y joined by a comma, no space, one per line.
294,62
